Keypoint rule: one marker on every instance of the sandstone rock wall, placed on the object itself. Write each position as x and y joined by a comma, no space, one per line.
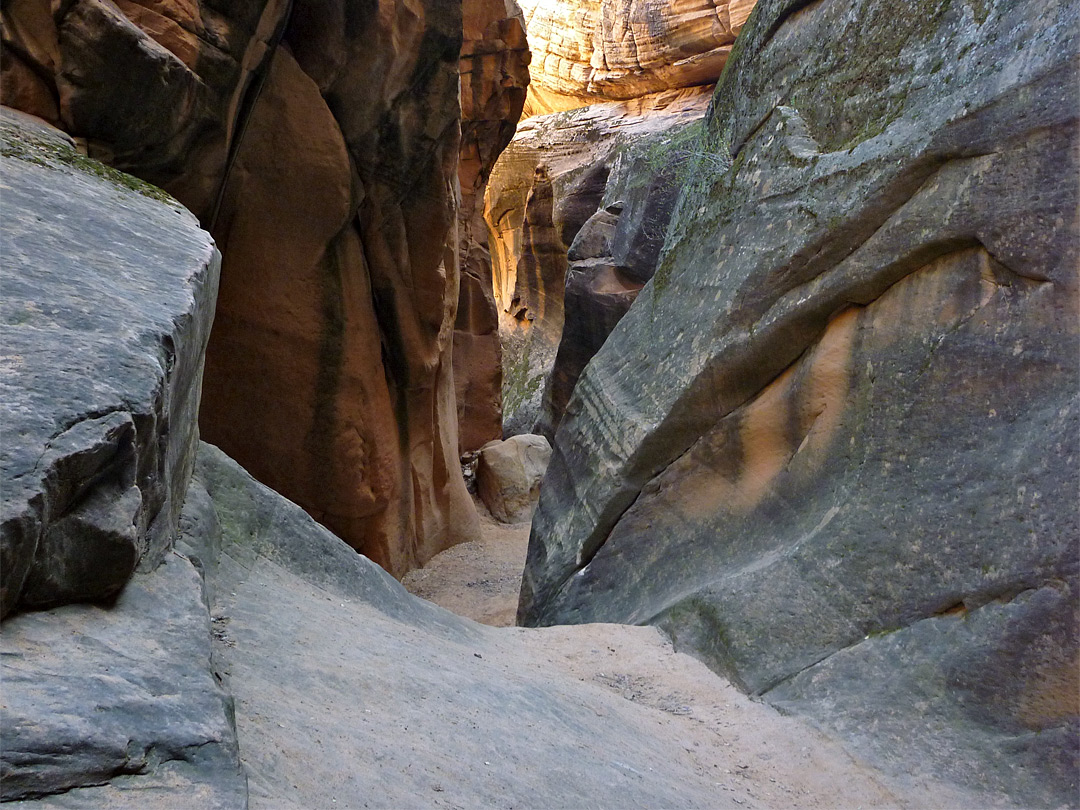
494,75
615,253
833,443
659,61
330,372
155,89
330,375
548,183
584,53
109,289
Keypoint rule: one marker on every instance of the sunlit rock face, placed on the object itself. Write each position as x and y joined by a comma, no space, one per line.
494,75
327,169
658,61
588,52
833,442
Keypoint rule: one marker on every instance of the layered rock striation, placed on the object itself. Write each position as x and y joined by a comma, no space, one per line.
584,53
833,443
557,173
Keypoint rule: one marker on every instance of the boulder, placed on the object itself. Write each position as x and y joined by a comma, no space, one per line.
552,178
109,291
584,53
830,448
494,74
508,476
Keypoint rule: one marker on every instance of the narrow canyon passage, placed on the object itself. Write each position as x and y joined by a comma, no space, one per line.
480,579
769,308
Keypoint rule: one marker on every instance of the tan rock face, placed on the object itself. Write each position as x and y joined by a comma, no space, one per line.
508,476
367,438
620,49
494,74
329,371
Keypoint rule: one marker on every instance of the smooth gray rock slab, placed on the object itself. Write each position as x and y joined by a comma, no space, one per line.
350,692
118,706
108,296
967,697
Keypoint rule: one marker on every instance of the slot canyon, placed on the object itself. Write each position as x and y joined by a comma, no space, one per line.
540,404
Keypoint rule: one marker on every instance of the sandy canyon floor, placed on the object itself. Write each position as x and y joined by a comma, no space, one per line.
740,753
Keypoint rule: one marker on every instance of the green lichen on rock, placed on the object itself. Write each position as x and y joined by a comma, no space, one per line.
519,386
55,154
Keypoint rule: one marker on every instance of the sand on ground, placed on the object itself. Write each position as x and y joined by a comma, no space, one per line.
750,754
479,580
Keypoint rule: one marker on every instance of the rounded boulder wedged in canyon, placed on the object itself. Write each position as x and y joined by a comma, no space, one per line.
508,476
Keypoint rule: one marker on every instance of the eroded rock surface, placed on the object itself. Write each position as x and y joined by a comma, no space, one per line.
330,373
552,178
326,169
508,475
494,74
157,89
119,706
109,291
615,253
833,443
349,691
584,53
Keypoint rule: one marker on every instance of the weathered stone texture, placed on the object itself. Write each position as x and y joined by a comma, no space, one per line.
615,254
119,707
508,475
494,74
834,441
295,382
108,299
330,375
584,53
551,179
153,88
